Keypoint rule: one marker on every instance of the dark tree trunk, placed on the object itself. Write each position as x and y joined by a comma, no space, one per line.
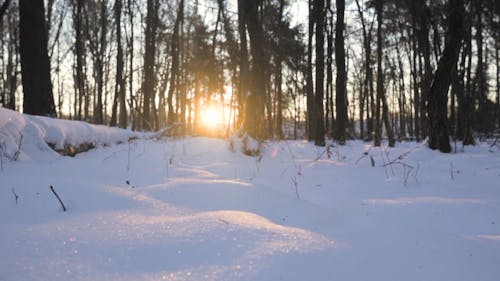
480,87
79,50
341,95
402,97
319,12
12,62
149,79
279,77
329,120
311,125
254,120
35,64
131,63
119,97
497,60
243,60
437,107
468,100
416,92
100,57
174,49
422,15
380,80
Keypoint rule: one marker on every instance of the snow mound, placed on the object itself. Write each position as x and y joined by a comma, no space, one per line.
24,136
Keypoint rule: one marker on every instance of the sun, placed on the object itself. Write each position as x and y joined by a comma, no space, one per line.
211,117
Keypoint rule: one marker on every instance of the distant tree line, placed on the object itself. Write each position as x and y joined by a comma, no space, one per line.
367,69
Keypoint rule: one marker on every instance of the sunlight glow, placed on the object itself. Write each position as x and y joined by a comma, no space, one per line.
211,118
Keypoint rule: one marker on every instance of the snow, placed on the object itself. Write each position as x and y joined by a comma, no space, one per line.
35,133
191,209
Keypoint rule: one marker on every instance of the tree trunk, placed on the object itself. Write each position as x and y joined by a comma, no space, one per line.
437,107
377,126
131,64
416,90
243,60
482,115
99,113
311,125
468,100
255,118
12,62
174,49
402,97
119,97
35,64
149,79
497,60
319,12
79,51
340,85
329,120
279,77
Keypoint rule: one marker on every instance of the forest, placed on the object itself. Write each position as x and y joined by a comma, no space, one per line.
244,140
270,69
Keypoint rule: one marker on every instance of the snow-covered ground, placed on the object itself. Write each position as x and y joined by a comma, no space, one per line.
190,209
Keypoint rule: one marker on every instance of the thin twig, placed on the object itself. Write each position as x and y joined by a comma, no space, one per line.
365,154
495,142
319,155
296,184
15,195
58,198
18,151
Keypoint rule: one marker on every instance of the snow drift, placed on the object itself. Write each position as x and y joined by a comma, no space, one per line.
22,135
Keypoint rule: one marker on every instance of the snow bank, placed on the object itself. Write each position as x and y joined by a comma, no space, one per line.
24,136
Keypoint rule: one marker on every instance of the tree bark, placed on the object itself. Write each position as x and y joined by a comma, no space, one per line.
482,116
437,107
340,85
174,49
131,64
35,64
311,125
255,118
319,12
149,79
100,56
243,61
279,76
119,97
329,114
377,125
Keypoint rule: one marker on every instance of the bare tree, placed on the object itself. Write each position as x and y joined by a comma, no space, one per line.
438,102
35,64
120,81
341,94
